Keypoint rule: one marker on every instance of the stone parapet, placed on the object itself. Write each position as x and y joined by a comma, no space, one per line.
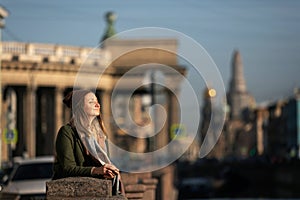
140,186
81,188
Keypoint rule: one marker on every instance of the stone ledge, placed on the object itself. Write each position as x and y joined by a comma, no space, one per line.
80,188
87,198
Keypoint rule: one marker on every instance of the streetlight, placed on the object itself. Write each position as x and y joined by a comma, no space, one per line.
3,15
155,79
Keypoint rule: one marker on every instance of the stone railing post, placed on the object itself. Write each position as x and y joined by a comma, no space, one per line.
140,186
150,183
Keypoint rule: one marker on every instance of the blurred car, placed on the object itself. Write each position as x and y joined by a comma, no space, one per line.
194,188
4,174
28,179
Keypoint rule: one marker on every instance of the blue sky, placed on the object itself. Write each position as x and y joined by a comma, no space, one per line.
267,33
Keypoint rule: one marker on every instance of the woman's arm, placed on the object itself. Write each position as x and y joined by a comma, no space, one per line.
65,145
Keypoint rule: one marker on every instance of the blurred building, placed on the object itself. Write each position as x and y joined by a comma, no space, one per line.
239,128
219,149
35,78
238,97
238,137
272,129
279,124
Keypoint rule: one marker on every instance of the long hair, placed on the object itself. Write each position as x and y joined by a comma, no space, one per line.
92,135
80,120
101,122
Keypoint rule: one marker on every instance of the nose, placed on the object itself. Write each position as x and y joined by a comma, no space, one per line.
97,105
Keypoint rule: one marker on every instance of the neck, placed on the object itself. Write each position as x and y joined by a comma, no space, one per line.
91,119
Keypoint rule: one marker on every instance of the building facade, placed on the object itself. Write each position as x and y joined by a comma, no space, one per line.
238,136
239,128
280,128
35,78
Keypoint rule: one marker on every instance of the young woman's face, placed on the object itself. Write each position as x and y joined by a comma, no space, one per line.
91,105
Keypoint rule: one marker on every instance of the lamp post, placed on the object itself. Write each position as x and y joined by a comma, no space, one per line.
155,79
149,100
3,15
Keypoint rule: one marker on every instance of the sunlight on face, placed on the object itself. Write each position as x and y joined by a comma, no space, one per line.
91,105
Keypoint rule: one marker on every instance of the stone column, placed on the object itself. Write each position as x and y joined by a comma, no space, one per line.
259,130
106,112
139,143
3,146
1,118
1,97
30,119
58,108
162,137
151,184
166,179
174,112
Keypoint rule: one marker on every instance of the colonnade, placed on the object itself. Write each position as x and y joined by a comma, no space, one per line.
42,74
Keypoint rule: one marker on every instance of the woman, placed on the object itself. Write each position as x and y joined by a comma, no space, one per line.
80,144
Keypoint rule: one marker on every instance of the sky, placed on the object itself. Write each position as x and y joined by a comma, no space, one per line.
266,32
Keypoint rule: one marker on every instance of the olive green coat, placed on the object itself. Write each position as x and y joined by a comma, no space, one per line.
71,157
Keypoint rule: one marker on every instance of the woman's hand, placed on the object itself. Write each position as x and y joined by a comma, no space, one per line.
107,170
110,171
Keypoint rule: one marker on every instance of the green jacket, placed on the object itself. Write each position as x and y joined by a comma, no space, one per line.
71,157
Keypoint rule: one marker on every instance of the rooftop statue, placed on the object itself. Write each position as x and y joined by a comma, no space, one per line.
110,18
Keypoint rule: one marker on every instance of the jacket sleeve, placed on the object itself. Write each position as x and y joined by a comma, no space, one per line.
65,154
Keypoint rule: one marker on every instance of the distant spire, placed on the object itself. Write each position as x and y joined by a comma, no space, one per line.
238,97
110,18
238,83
